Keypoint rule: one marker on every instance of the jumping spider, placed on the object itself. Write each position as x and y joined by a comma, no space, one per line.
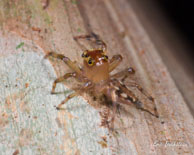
95,74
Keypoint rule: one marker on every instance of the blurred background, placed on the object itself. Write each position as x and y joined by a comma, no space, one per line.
170,25
180,14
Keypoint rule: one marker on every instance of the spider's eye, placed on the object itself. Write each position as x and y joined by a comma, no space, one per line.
106,57
90,62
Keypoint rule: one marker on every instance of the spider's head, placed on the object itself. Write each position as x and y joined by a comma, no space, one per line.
96,66
94,58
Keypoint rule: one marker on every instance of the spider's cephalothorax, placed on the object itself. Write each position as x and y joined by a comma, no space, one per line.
95,65
95,73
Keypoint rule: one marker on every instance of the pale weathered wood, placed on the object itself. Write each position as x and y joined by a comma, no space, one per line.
29,123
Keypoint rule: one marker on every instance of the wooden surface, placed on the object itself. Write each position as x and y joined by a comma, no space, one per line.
29,123
170,44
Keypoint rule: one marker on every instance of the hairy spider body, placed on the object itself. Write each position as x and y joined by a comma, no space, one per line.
95,74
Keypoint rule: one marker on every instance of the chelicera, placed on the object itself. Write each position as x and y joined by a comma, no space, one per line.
95,74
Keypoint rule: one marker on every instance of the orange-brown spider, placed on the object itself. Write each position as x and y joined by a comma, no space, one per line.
95,74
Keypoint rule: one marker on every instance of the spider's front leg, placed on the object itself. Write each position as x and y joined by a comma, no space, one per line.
114,62
77,92
93,38
67,61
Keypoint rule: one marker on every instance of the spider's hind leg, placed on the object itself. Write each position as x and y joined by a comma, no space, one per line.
125,74
140,106
126,96
133,84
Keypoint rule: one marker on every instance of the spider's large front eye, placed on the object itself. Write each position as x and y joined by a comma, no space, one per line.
105,57
90,62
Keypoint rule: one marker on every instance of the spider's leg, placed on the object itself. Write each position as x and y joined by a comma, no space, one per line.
93,38
67,99
77,92
113,114
114,62
98,41
77,38
130,71
133,84
113,97
125,73
68,62
126,96
61,79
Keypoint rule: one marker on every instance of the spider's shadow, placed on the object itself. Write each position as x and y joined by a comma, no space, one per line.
62,92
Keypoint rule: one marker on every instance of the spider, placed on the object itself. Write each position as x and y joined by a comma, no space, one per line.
96,78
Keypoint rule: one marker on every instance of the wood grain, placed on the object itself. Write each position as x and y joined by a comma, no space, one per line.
30,124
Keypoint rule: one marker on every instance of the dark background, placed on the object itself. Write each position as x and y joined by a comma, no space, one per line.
181,15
